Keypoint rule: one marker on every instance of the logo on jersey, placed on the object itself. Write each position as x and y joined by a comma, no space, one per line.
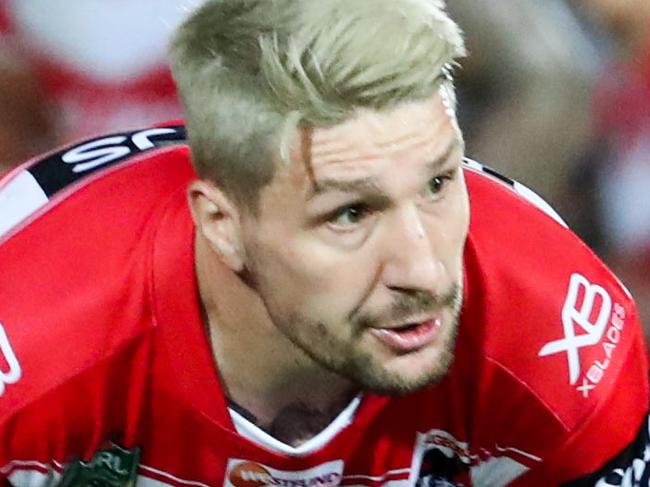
110,467
441,460
10,370
31,189
63,168
244,473
96,153
587,319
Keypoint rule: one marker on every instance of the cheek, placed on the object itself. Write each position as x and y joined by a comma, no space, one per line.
451,218
331,273
448,230
331,282
461,220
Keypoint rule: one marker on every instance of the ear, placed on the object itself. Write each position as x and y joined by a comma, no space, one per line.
217,221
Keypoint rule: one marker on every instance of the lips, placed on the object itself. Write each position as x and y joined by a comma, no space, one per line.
408,338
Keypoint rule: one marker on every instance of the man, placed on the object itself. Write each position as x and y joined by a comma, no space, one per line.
324,311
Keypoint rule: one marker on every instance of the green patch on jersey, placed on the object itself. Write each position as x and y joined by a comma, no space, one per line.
110,467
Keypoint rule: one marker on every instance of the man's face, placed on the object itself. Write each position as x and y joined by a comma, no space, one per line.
357,248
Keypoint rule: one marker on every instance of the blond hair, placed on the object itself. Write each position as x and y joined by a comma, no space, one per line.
251,71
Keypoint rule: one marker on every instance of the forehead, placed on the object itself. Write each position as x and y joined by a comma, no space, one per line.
411,134
388,149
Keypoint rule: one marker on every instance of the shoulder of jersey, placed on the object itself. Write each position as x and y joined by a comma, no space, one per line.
554,318
76,239
25,191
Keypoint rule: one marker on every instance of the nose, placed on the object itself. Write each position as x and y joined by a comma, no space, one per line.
412,261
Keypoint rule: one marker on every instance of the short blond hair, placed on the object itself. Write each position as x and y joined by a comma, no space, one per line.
251,71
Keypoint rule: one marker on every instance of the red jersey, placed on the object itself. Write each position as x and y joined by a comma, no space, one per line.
106,371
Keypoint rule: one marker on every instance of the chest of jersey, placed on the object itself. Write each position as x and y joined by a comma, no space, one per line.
387,442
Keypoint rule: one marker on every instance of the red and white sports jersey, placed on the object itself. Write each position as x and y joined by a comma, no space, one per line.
102,344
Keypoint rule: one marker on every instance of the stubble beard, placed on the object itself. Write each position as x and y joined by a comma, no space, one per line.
364,368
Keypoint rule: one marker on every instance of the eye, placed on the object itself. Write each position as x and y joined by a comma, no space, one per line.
438,183
348,216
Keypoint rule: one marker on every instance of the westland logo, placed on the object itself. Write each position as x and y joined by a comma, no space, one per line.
588,307
244,473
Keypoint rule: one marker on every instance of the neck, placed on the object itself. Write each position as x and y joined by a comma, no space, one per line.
269,380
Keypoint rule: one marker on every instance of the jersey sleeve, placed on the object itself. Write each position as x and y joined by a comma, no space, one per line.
76,326
565,368
611,447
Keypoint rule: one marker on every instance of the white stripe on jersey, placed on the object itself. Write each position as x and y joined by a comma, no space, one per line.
42,475
19,198
523,191
32,478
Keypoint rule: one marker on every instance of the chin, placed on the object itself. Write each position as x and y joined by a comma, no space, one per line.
404,374
400,374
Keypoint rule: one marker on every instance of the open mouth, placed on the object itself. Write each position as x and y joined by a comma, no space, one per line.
410,337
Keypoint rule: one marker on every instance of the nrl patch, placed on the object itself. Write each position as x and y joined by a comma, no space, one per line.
111,467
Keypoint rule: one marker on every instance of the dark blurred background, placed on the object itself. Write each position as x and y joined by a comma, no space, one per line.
555,94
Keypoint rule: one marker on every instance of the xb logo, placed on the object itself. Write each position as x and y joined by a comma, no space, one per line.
590,314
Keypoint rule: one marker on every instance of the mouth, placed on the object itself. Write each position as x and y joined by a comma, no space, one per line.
409,337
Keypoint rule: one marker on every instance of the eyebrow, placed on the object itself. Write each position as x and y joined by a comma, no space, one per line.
370,185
